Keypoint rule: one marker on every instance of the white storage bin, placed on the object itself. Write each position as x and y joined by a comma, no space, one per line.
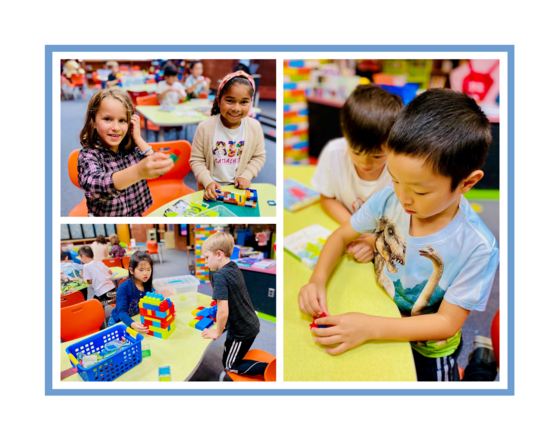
185,286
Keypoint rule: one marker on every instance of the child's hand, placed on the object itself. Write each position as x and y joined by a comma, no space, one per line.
242,183
139,327
154,166
312,299
349,330
135,129
210,334
210,192
362,248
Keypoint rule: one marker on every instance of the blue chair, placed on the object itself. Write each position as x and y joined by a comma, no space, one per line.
75,258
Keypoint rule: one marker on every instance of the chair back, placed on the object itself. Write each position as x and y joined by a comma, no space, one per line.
71,299
125,262
122,281
152,247
134,96
75,256
81,320
495,336
258,355
112,262
73,167
147,100
77,79
182,167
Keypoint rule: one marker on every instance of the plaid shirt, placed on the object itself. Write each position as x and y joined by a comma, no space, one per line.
117,251
95,175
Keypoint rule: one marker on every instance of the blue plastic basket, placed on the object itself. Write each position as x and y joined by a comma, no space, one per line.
113,366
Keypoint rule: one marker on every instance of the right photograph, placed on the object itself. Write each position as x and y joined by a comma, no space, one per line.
391,220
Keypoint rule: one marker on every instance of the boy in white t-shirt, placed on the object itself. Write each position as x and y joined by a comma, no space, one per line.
353,168
433,254
169,91
98,276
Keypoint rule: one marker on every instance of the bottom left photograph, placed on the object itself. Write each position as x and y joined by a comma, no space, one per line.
168,302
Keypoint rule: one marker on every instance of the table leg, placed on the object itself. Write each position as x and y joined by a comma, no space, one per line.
161,134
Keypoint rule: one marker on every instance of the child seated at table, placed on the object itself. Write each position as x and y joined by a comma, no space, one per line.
236,314
353,168
112,79
99,248
433,254
98,276
228,148
170,91
195,83
71,270
115,161
140,276
117,251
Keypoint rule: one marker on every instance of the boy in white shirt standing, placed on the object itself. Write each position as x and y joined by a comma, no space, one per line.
353,168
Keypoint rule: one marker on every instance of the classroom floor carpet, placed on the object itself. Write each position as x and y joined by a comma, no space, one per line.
72,120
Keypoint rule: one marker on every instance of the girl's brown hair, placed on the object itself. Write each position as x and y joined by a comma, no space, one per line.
88,135
114,239
101,239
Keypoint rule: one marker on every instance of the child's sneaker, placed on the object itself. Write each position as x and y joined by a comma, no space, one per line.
483,351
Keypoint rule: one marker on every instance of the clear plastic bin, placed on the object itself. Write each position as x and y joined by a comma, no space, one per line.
185,286
219,210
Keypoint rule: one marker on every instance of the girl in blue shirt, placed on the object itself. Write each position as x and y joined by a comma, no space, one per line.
131,291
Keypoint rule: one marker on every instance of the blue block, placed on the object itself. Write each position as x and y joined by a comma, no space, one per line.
290,127
301,145
165,370
161,314
204,313
148,306
290,86
296,64
156,334
321,326
203,324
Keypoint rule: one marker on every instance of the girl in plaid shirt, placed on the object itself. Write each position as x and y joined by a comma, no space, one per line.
115,160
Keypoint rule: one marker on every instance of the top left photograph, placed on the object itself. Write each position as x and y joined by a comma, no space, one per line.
168,137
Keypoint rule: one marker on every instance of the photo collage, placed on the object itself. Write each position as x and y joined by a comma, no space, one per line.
374,264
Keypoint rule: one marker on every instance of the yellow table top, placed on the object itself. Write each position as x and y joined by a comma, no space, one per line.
182,114
352,288
150,88
266,192
183,351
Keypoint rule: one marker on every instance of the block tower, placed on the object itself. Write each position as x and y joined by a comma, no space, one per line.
202,232
296,123
158,314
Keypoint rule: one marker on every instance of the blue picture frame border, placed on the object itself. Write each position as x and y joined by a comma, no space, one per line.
49,98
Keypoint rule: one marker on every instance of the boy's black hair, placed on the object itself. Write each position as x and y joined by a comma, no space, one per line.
135,260
447,129
63,255
193,63
169,69
367,117
233,81
86,250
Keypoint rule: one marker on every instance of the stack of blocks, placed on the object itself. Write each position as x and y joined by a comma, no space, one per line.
296,123
158,314
204,317
249,199
202,232
164,373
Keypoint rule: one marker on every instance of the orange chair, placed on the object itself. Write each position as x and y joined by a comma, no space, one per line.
81,320
152,248
71,299
125,262
135,95
203,95
122,281
148,100
170,186
81,209
112,262
258,355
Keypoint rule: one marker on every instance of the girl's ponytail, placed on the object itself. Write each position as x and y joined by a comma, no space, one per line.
215,107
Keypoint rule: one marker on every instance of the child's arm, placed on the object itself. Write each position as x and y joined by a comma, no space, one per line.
335,209
352,329
121,307
198,160
312,297
221,320
99,183
112,83
257,160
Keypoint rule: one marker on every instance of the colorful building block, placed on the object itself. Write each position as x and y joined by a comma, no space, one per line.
203,324
164,373
158,314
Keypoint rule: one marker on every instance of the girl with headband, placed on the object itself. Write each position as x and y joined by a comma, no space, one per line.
229,123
